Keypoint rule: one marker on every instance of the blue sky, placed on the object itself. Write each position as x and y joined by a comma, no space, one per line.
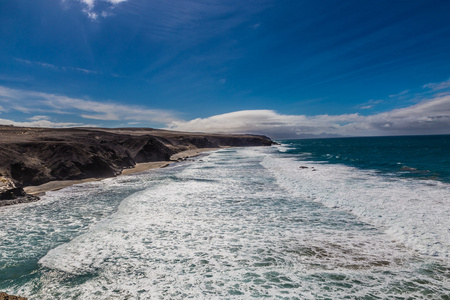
275,67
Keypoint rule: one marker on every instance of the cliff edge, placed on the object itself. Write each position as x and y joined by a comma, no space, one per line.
33,156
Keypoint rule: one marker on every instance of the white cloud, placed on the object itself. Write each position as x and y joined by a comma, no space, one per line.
89,3
438,85
37,102
116,1
86,71
41,123
266,122
430,116
369,104
39,118
55,68
91,6
38,63
92,15
403,93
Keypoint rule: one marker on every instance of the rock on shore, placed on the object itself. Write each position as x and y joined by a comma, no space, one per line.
5,296
33,156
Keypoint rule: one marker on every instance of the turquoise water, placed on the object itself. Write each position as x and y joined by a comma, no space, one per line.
280,222
420,157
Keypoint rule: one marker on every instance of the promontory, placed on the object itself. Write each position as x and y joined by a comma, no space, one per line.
35,156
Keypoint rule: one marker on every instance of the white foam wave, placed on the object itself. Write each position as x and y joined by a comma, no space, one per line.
282,147
222,228
414,212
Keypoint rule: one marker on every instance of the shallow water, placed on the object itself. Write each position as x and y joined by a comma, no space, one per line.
239,223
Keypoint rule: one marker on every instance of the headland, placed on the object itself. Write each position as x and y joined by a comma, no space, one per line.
36,160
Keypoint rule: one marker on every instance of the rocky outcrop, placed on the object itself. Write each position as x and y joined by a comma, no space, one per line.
5,296
25,198
33,156
10,194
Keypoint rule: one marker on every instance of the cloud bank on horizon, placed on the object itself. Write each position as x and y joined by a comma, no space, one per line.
428,116
29,102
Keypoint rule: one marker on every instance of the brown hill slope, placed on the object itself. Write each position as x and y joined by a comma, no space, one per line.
33,156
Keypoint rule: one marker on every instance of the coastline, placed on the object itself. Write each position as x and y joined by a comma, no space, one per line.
36,160
40,190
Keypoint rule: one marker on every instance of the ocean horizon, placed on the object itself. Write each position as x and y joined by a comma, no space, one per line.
335,218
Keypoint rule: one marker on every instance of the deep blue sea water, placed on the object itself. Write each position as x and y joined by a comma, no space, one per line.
356,218
420,157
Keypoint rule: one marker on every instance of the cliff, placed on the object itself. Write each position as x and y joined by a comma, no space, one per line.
33,156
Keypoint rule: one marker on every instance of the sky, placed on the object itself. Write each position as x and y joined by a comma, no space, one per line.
282,68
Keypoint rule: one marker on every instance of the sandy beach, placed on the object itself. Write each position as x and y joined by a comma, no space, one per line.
40,190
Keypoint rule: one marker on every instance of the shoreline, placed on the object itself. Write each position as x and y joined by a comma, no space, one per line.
40,190
53,158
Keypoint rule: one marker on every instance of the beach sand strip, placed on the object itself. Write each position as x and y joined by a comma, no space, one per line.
40,190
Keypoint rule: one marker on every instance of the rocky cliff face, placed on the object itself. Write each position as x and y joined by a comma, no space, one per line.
33,156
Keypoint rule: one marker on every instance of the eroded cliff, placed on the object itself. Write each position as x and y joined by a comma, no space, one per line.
33,156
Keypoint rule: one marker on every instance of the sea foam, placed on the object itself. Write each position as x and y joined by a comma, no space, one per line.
223,227
414,212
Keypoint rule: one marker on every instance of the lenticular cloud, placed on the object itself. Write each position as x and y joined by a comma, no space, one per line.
431,116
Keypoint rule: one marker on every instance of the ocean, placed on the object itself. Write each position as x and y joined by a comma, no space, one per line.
350,218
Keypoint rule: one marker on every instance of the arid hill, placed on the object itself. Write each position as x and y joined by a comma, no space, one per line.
33,156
